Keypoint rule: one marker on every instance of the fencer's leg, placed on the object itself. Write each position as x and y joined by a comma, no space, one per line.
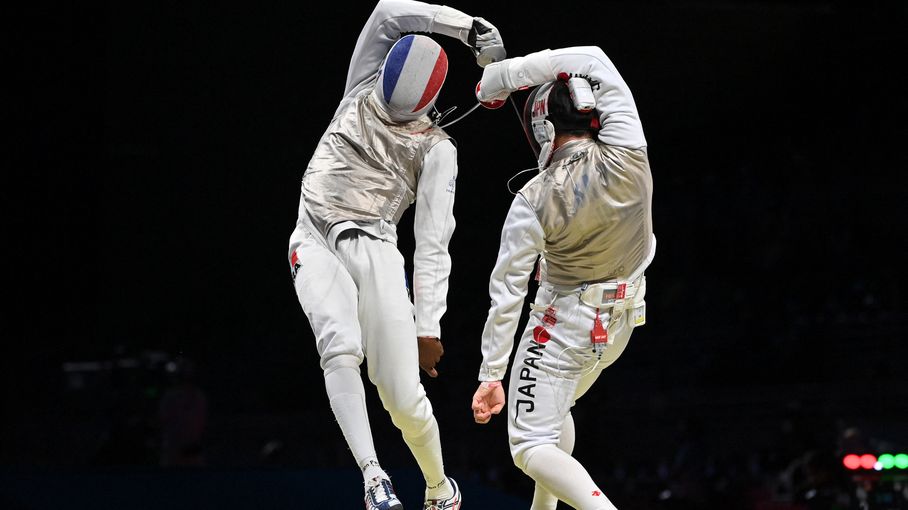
553,365
543,499
564,477
426,449
348,402
572,477
389,337
328,296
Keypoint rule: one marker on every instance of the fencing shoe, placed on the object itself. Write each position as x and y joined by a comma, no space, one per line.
380,495
452,503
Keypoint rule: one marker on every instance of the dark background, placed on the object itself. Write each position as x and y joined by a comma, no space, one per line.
156,157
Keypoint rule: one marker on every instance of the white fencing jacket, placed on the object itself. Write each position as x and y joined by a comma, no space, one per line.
365,176
587,215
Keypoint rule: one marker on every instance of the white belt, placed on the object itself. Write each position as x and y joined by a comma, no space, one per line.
617,295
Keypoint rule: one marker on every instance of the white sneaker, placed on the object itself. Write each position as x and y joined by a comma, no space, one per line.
380,495
452,503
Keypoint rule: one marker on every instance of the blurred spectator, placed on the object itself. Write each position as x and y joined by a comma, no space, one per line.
183,414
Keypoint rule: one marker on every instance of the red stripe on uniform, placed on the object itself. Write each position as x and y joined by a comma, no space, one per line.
435,80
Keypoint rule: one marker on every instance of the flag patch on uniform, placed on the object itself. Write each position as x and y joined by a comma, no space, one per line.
540,335
295,265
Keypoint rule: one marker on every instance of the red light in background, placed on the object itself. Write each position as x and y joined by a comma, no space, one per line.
868,461
852,461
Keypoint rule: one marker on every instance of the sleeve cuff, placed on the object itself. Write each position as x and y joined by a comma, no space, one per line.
492,374
423,331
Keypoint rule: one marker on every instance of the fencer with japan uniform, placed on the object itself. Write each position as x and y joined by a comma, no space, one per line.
587,218
380,153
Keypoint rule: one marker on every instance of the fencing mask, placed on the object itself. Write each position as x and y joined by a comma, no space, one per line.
411,77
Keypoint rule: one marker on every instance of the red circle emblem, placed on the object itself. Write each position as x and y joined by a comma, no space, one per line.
540,335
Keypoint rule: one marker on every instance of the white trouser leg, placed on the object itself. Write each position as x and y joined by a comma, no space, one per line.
348,402
328,296
564,477
389,338
543,499
547,377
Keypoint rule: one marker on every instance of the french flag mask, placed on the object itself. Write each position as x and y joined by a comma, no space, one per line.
411,77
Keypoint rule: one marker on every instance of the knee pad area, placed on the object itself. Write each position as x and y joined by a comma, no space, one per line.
520,458
341,361
522,452
410,412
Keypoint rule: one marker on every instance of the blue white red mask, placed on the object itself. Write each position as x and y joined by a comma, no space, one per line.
411,77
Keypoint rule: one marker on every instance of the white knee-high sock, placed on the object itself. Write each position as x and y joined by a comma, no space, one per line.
543,499
426,449
348,401
563,476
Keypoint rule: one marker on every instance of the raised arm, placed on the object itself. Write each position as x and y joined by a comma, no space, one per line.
618,115
392,18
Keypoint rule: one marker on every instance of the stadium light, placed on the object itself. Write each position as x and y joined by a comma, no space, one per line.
869,461
852,461
901,461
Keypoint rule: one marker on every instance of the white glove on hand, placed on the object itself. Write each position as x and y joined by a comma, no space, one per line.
491,91
501,78
486,42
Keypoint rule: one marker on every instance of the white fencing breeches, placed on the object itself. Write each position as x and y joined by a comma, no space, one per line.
548,376
555,364
355,297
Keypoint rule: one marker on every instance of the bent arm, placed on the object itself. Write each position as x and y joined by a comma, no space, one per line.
522,240
619,119
388,22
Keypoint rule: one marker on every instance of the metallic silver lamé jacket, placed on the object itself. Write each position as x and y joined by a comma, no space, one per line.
588,214
594,204
365,168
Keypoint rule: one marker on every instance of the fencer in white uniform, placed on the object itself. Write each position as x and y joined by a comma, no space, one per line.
587,219
380,153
